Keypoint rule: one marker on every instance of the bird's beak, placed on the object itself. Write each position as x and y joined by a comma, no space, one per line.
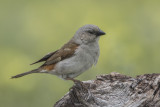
100,33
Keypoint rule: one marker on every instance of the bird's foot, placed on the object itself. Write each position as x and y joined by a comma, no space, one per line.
78,83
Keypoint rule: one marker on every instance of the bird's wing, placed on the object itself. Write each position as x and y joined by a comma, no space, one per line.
65,52
45,57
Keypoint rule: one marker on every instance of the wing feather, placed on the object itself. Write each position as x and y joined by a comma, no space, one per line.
45,57
65,52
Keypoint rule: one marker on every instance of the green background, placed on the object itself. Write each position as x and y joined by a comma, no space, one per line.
31,28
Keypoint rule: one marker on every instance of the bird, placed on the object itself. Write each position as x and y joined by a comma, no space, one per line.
73,58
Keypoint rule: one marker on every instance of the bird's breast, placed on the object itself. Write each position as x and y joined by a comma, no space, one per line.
82,60
89,53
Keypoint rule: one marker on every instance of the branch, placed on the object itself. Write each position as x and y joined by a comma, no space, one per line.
114,90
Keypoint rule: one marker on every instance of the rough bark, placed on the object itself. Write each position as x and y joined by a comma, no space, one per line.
114,90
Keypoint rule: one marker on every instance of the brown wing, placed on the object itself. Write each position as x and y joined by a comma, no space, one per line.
44,58
65,52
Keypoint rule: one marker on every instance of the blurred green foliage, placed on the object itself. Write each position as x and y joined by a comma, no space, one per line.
31,28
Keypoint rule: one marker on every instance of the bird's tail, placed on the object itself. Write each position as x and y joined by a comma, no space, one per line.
25,73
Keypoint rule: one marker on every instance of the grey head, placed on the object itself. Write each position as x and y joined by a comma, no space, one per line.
87,34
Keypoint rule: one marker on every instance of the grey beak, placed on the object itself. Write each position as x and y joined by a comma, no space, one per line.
100,33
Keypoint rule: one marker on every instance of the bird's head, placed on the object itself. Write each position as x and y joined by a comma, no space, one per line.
87,34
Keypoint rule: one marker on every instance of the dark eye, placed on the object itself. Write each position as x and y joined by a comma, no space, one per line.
91,32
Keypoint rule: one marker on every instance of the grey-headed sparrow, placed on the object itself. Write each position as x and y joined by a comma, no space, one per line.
75,57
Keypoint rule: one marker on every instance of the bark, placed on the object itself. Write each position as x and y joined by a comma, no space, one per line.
114,90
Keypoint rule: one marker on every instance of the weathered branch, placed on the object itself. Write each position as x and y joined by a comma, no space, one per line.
114,90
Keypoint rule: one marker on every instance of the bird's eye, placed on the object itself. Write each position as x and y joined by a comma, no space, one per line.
91,32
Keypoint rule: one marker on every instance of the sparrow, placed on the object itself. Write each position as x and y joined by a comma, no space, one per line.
74,57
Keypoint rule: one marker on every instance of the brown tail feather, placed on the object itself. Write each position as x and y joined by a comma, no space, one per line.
25,73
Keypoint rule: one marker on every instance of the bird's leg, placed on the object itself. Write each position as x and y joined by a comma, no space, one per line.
74,80
78,82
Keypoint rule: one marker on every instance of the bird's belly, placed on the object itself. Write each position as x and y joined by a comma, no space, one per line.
74,66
